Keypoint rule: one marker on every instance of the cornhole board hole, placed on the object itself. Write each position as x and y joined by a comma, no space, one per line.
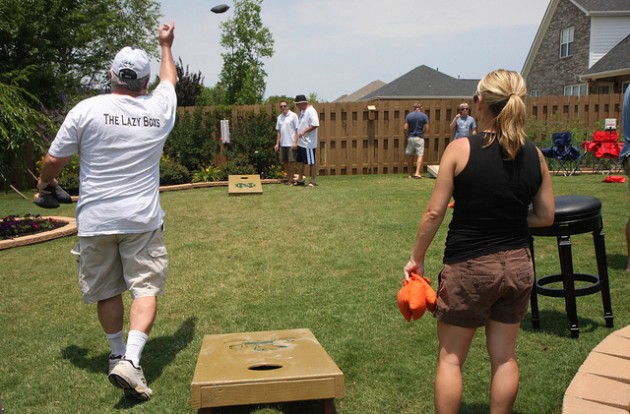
244,184
433,170
264,367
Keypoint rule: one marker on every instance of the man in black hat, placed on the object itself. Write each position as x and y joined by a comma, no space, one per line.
307,139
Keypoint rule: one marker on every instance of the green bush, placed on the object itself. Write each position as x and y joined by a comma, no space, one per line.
239,165
68,179
172,173
70,183
253,139
190,142
204,175
276,171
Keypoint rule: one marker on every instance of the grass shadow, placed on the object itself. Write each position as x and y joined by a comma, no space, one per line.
157,355
557,323
297,407
617,261
478,408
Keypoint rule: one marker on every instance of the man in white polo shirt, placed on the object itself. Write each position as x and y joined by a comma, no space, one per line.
307,140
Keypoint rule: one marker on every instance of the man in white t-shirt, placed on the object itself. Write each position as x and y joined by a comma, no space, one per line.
286,141
307,140
119,138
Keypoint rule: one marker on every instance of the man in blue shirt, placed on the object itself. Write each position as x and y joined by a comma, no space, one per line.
416,125
624,157
463,125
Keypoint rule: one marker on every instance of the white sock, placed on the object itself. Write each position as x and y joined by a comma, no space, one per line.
136,340
117,343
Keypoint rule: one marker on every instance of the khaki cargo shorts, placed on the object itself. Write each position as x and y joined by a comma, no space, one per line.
112,264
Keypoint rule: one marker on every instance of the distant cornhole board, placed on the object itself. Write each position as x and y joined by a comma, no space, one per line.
264,367
433,170
244,184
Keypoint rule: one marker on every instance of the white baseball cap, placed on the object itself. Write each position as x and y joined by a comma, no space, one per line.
131,63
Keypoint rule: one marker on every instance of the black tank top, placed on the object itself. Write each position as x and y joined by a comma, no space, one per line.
492,195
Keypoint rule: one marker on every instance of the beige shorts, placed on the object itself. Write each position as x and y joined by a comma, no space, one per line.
112,264
415,145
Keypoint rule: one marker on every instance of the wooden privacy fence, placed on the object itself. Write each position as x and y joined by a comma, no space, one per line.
367,137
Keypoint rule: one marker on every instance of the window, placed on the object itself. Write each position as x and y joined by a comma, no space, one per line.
566,42
604,88
575,90
534,92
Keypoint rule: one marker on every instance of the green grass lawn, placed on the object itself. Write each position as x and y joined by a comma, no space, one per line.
329,259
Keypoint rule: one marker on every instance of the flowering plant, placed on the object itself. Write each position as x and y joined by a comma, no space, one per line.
14,226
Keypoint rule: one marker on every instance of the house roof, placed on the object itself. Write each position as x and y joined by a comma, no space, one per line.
360,93
614,63
425,82
603,7
590,8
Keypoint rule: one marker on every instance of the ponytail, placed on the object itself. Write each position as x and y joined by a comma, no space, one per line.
503,91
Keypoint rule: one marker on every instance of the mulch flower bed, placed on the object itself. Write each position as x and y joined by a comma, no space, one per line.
17,226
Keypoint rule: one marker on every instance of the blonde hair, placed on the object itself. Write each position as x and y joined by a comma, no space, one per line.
503,92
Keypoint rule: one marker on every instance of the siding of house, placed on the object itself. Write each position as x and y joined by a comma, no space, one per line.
606,32
549,73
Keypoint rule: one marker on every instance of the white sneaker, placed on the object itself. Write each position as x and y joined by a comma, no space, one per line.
131,379
113,361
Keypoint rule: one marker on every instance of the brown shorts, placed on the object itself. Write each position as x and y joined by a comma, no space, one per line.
287,154
496,286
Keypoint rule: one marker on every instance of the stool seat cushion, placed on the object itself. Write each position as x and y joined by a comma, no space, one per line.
569,208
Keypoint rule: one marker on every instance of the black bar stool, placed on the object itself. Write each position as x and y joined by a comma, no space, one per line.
573,215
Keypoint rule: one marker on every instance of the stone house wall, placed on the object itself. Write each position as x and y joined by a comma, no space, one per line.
549,73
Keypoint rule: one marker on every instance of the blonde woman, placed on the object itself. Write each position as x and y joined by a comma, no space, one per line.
488,274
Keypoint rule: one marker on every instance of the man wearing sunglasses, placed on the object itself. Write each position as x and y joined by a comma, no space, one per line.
286,141
463,124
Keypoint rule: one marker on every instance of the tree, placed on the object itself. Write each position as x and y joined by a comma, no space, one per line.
189,85
211,96
247,41
71,43
22,127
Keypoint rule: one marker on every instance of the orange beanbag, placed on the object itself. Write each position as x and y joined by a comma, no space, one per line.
415,297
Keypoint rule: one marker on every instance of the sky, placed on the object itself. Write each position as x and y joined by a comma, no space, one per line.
335,47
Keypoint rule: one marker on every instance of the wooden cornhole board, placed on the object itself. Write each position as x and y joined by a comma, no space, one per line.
244,184
433,170
264,367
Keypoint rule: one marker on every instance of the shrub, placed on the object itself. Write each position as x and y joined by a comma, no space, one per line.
237,166
276,171
68,179
172,173
190,142
253,139
204,175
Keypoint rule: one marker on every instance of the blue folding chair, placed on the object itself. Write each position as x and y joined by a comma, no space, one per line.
566,156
